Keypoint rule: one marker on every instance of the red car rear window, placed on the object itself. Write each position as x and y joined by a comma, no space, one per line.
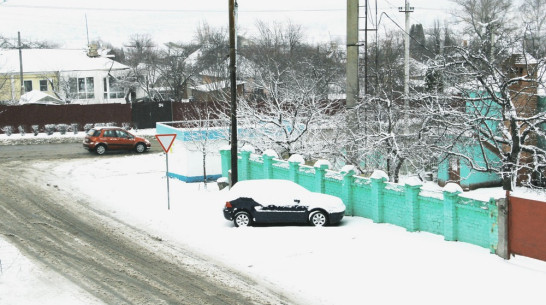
93,133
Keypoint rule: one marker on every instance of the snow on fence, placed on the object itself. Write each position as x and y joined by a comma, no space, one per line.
446,213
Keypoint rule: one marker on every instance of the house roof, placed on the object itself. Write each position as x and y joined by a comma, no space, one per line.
54,60
215,86
523,59
38,97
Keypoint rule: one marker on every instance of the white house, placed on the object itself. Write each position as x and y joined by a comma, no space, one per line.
77,76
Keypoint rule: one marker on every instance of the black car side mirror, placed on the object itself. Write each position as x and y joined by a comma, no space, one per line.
297,201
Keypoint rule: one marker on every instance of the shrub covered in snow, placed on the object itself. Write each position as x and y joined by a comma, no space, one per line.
21,130
62,128
7,130
87,127
49,129
74,127
35,129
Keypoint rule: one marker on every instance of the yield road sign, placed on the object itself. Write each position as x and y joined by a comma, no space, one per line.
166,140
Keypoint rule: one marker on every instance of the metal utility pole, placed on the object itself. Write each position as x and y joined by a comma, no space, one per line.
20,64
366,30
352,53
366,48
407,9
233,78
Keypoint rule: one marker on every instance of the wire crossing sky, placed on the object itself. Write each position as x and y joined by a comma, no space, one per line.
63,21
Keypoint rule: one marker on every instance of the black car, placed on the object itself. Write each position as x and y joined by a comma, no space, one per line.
278,202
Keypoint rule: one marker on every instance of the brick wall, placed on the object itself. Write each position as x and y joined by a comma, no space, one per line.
447,214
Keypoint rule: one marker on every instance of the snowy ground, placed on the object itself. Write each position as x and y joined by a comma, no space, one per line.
358,262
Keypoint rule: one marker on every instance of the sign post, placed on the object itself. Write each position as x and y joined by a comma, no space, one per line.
166,141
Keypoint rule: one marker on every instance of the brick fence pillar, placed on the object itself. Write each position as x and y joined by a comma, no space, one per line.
320,172
226,162
245,165
268,166
378,187
412,202
451,197
347,191
293,174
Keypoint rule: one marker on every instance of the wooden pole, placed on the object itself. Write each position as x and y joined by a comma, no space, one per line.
233,78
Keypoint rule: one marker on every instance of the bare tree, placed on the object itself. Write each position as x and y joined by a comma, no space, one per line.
289,81
495,124
143,58
176,69
205,130
486,21
533,13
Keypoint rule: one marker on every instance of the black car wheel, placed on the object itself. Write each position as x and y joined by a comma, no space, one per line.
318,218
100,149
242,219
140,148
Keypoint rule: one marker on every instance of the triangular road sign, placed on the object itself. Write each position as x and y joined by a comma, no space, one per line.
166,140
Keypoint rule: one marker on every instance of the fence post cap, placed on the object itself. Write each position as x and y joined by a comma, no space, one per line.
270,153
348,170
379,175
248,148
323,164
296,158
413,182
453,188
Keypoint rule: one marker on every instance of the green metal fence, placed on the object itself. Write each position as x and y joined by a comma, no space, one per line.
446,213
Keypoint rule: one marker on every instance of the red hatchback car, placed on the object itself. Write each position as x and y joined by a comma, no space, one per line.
101,139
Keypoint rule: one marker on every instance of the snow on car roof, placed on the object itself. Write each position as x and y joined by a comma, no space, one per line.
263,187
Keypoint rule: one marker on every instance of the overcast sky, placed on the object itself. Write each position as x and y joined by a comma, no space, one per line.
64,21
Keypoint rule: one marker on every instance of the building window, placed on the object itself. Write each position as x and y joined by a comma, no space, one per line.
28,85
112,88
82,87
43,85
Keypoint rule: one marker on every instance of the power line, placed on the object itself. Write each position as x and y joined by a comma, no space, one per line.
155,10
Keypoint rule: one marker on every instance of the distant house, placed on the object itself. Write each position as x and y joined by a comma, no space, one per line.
73,76
528,102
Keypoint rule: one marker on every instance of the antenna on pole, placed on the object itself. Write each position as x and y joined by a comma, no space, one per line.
20,47
87,29
407,10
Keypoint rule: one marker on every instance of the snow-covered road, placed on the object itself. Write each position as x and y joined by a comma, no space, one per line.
358,262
